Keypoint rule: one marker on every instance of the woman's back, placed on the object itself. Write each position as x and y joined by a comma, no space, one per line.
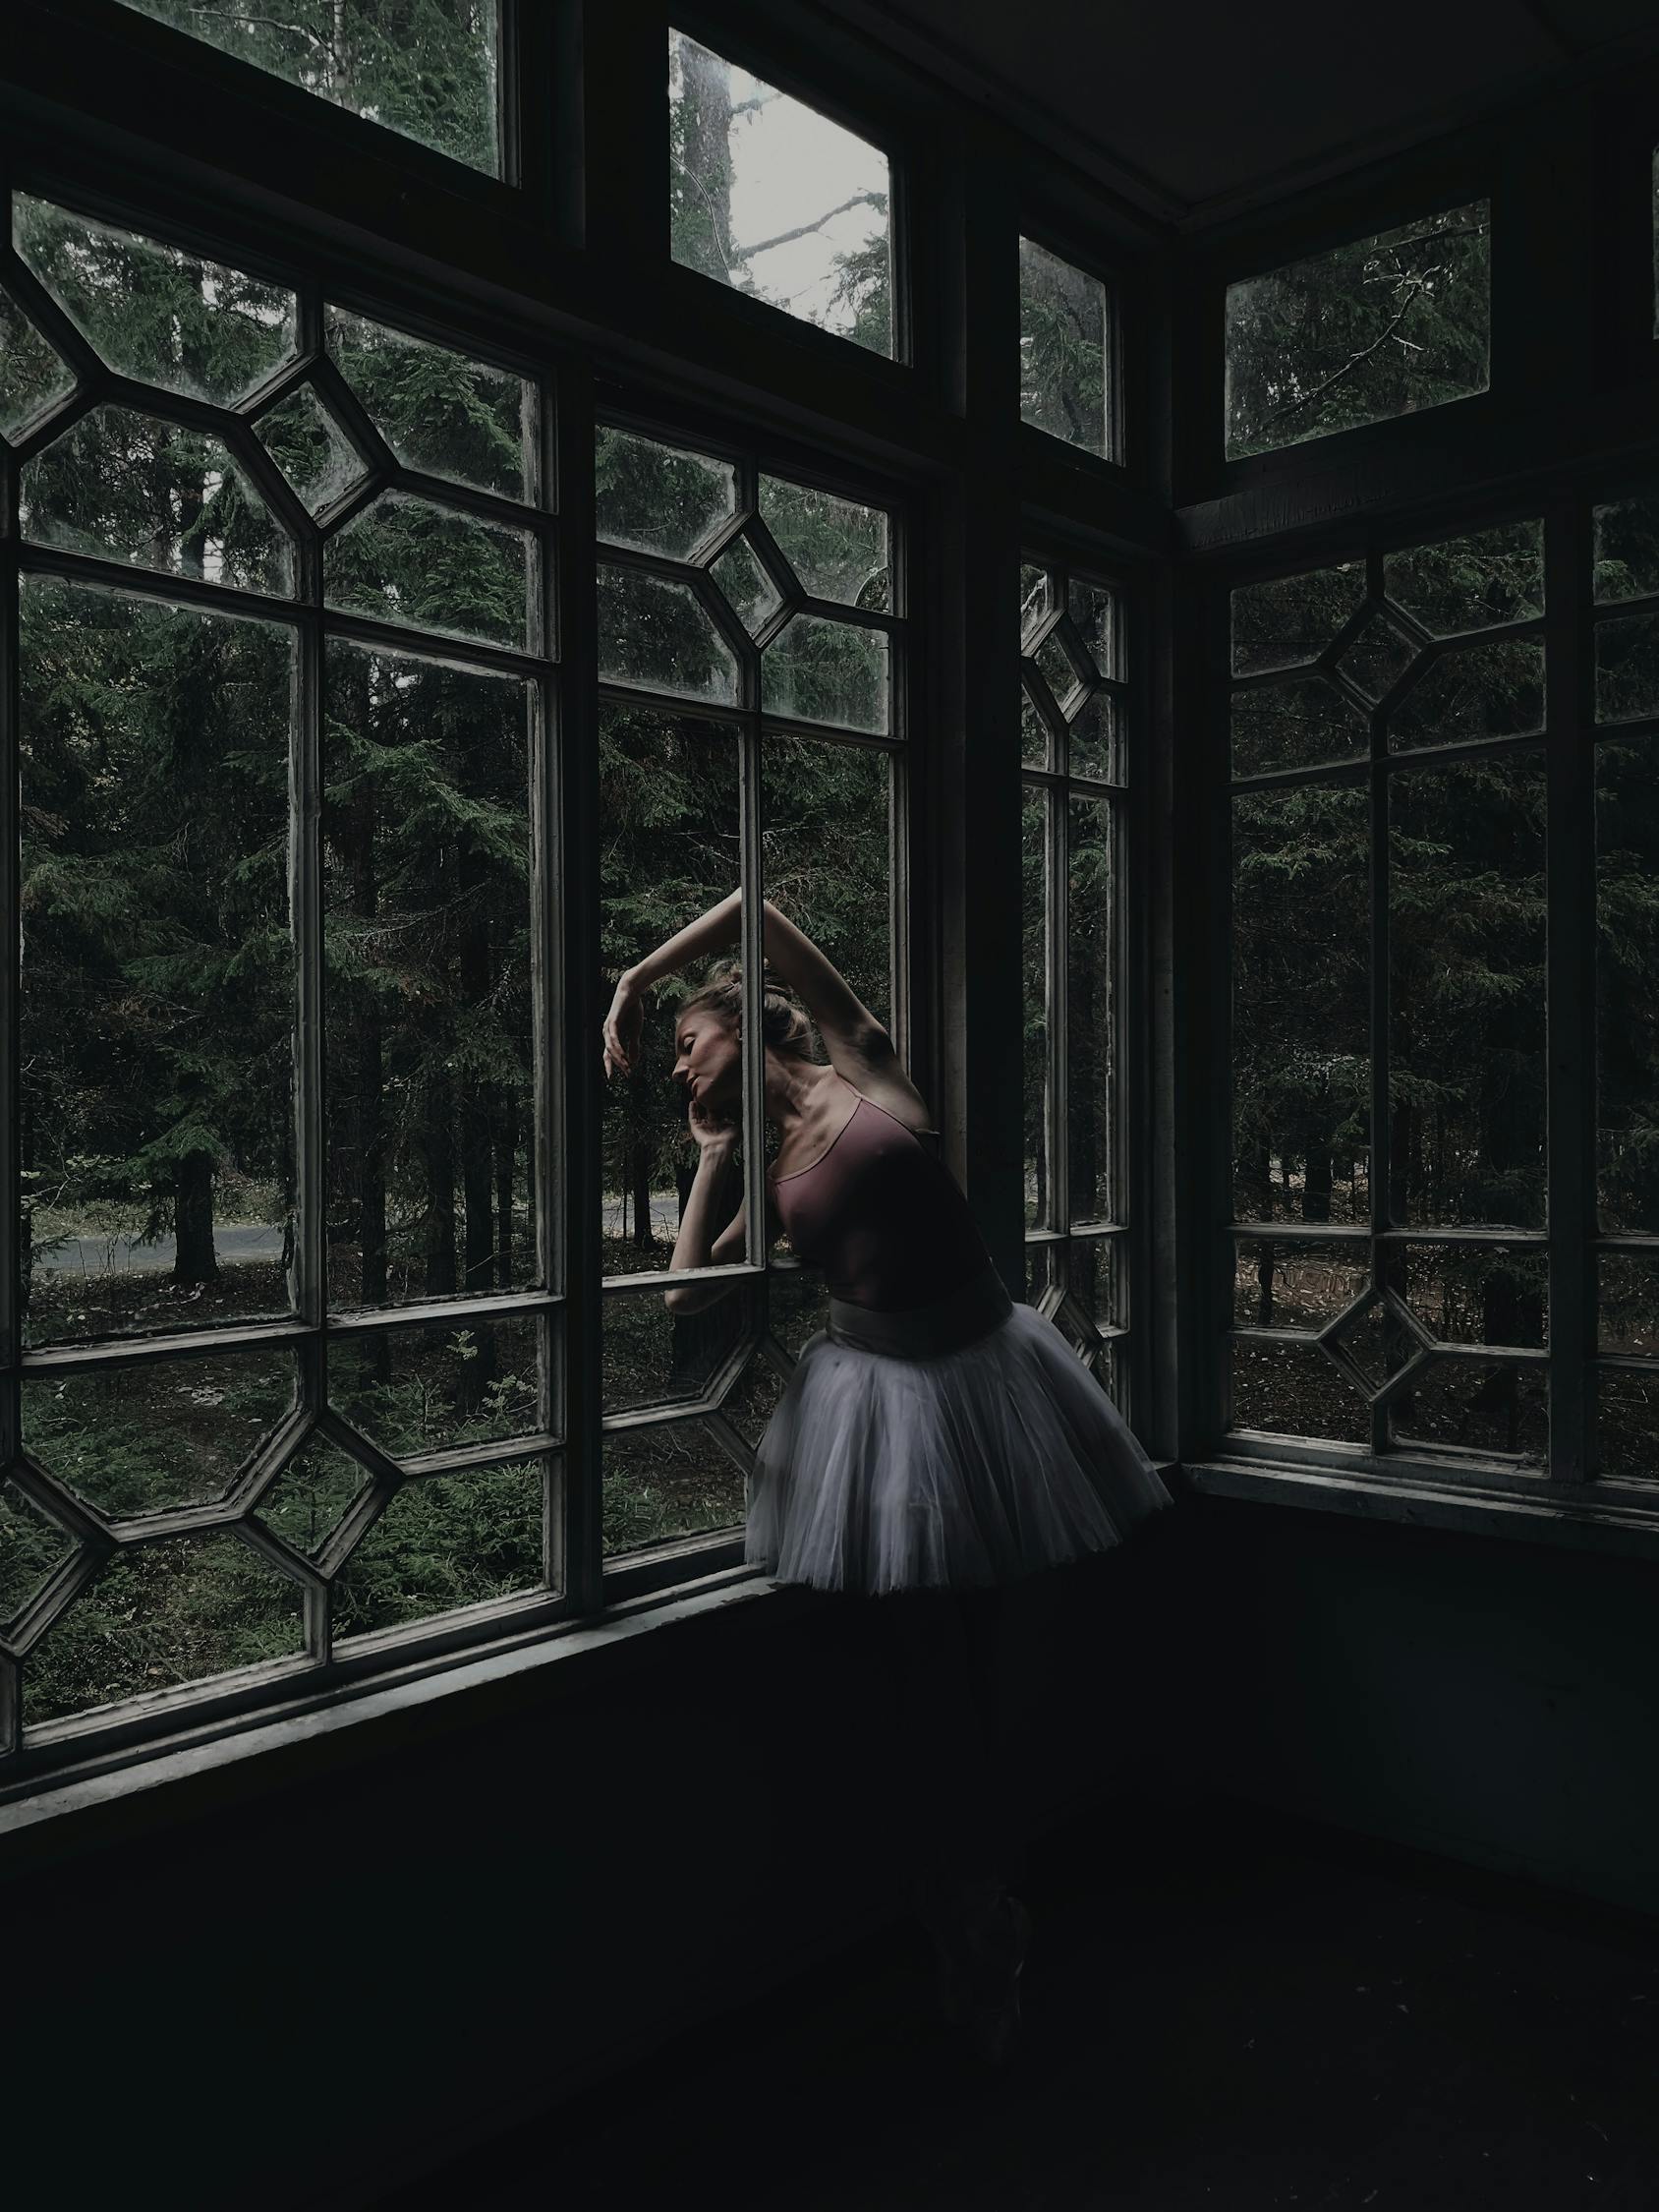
882,1215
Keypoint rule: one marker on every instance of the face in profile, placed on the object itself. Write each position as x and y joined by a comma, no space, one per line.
708,1066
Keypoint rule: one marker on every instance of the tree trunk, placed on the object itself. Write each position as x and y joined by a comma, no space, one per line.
194,1257
506,1140
441,1187
1263,1288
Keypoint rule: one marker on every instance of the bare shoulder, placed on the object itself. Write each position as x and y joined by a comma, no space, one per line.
878,1071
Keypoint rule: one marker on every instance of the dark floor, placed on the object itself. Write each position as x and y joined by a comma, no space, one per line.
1212,2023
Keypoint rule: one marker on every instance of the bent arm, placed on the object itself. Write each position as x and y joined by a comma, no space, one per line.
842,1018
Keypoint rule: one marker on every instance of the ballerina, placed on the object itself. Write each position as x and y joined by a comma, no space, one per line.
938,1444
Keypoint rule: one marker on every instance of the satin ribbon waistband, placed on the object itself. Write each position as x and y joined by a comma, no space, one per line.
923,1332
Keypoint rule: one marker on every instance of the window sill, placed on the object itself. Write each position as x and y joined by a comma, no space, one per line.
76,1808
1619,1518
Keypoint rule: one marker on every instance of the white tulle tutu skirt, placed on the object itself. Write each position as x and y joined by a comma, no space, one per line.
958,1445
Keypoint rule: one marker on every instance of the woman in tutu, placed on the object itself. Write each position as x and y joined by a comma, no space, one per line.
939,1445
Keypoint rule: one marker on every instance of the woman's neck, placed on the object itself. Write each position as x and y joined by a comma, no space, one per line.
797,1096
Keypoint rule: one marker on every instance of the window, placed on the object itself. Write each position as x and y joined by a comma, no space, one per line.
750,736
1390,1085
1065,351
1074,758
1379,328
429,72
770,198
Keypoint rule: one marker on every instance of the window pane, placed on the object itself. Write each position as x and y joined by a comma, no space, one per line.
1294,1390
1480,691
652,1358
445,1541
428,73
1305,723
1062,350
1628,1304
310,450
158,971
1490,1407
448,1385
439,410
1627,550
671,1481
656,634
1627,983
770,198
1375,330
1628,667
1091,1006
670,849
1627,1422
656,498
1470,583
31,377
425,568
33,1548
1034,908
1479,1293
1467,992
426,943
837,548
1292,1285
819,671
1287,621
1301,1053
827,846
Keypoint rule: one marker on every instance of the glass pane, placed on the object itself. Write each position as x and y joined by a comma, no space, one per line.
154,313
31,377
826,855
427,72
1094,618
1467,992
837,549
159,1614
1097,740
439,410
1061,670
669,849
427,568
1627,550
311,1496
659,635
1378,657
677,1480
1035,734
32,1547
1627,668
1303,724
656,498
1091,1006
1281,1285
1627,1422
1628,1305
1034,908
1294,1390
437,1388
444,1541
747,584
1097,1280
131,487
1479,1294
427,928
1302,982
310,450
752,1400
170,1432
1377,1342
819,671
1375,330
1036,596
654,1358
1485,691
1470,583
1487,1406
158,970
1062,350
1627,984
770,198
1286,622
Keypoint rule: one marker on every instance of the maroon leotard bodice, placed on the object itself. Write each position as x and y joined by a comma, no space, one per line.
882,1215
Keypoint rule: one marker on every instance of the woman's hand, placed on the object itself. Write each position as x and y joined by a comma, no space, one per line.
715,1139
624,1027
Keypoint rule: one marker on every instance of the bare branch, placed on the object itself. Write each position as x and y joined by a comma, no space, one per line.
1419,285
804,230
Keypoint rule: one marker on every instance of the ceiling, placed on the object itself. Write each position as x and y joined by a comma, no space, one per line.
1196,110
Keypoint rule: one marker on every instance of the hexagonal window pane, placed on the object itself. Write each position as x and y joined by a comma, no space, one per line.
1294,1390
654,1358
171,1433
32,1547
1286,1284
837,548
154,313
1470,583
1479,1294
747,584
1487,1406
440,1386
310,450
160,1615
1286,622
1483,691
753,1400
1062,671
1375,1340
410,562
1376,658
131,487
673,1479
1303,724
659,498
440,411
656,634
446,1541
312,1495
31,377
819,671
